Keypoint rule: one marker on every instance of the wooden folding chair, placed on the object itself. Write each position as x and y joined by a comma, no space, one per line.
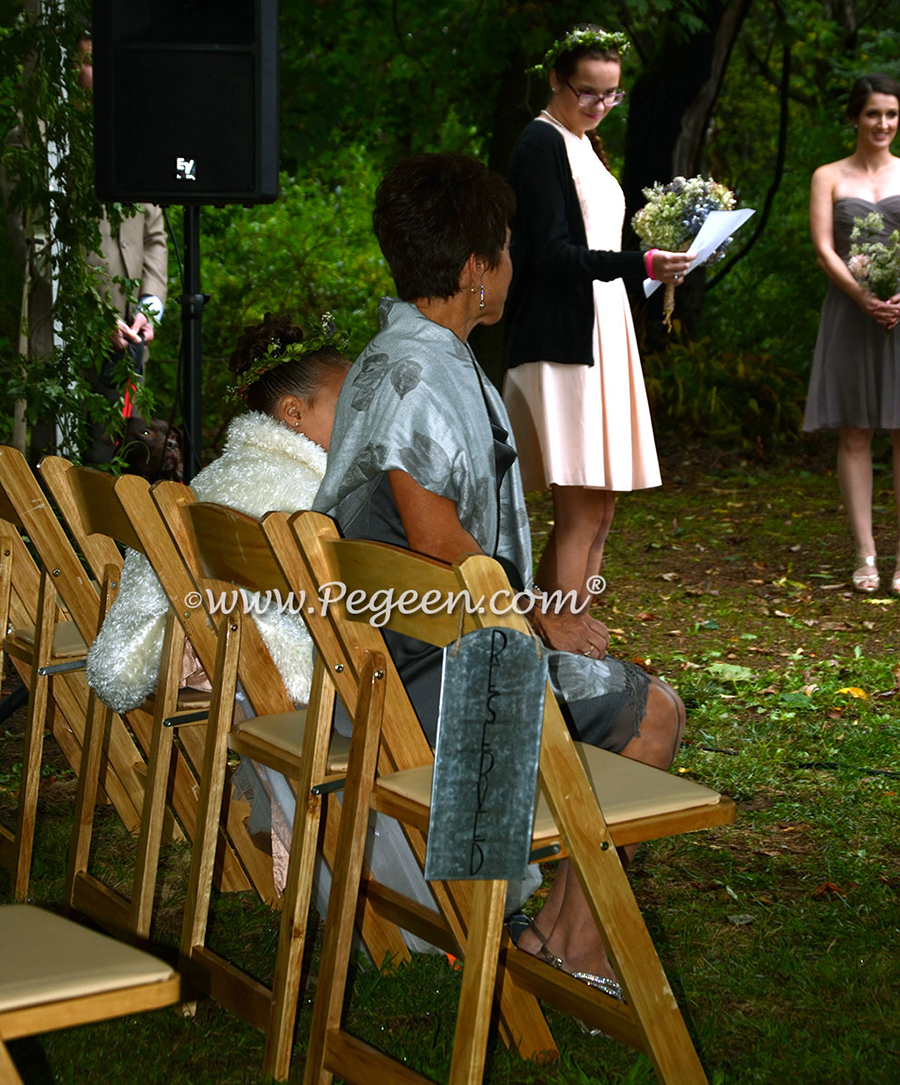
48,648
587,821
101,511
232,552
57,973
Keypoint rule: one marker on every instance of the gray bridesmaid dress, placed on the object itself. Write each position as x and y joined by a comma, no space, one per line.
855,379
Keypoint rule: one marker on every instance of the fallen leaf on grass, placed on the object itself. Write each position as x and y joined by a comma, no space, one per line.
730,672
645,616
830,889
836,627
855,691
740,920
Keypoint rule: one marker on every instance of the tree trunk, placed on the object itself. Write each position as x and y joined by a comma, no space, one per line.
669,109
695,121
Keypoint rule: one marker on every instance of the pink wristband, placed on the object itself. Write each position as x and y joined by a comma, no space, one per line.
648,262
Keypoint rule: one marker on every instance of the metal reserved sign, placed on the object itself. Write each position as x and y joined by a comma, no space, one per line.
486,759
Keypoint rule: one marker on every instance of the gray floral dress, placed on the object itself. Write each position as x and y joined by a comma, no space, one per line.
417,401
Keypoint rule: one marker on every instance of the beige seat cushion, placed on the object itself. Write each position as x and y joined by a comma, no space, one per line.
189,699
627,789
284,730
67,641
47,958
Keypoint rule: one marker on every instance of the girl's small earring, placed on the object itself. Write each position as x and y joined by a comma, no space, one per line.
481,302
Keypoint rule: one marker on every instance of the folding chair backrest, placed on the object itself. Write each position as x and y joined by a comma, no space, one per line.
313,555
253,569
48,648
101,511
53,548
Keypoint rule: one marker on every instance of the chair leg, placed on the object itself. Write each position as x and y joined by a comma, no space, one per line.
32,754
98,719
342,904
473,1017
297,893
212,784
158,767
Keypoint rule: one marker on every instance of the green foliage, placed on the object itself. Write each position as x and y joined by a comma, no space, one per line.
746,398
47,157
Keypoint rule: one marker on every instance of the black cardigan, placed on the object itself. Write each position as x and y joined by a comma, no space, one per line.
550,309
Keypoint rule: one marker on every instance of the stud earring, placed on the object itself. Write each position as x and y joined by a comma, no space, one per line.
481,301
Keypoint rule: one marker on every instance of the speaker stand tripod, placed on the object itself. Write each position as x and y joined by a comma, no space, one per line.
192,303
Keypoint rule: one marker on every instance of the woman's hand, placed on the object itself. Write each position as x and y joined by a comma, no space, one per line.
886,313
670,267
894,306
568,632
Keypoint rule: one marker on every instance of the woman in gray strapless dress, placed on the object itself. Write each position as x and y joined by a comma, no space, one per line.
855,382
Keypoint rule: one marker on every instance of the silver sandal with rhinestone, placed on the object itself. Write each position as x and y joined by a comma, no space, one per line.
600,983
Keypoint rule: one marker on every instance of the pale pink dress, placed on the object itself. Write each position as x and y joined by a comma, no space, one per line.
579,425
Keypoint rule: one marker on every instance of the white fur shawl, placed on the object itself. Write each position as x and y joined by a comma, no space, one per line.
264,466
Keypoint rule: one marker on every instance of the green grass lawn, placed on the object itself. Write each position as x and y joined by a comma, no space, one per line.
778,934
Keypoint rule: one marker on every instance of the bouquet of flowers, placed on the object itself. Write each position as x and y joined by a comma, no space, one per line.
874,257
673,215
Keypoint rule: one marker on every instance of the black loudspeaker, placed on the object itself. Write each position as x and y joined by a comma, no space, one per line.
186,100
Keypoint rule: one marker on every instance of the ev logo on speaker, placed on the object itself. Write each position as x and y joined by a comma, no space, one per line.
184,169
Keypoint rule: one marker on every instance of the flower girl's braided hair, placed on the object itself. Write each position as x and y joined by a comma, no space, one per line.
275,358
585,40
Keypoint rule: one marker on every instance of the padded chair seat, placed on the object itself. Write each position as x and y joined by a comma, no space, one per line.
47,957
189,699
628,790
284,731
67,641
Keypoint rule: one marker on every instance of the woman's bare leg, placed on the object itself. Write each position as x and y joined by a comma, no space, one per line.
582,518
565,921
855,477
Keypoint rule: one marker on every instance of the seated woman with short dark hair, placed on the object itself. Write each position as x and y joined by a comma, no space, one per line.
421,457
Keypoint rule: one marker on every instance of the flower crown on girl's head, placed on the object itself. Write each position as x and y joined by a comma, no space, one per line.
277,353
575,39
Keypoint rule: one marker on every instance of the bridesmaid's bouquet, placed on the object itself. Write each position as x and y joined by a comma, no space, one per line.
673,215
875,258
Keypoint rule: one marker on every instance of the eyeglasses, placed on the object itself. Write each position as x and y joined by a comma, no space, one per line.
589,101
